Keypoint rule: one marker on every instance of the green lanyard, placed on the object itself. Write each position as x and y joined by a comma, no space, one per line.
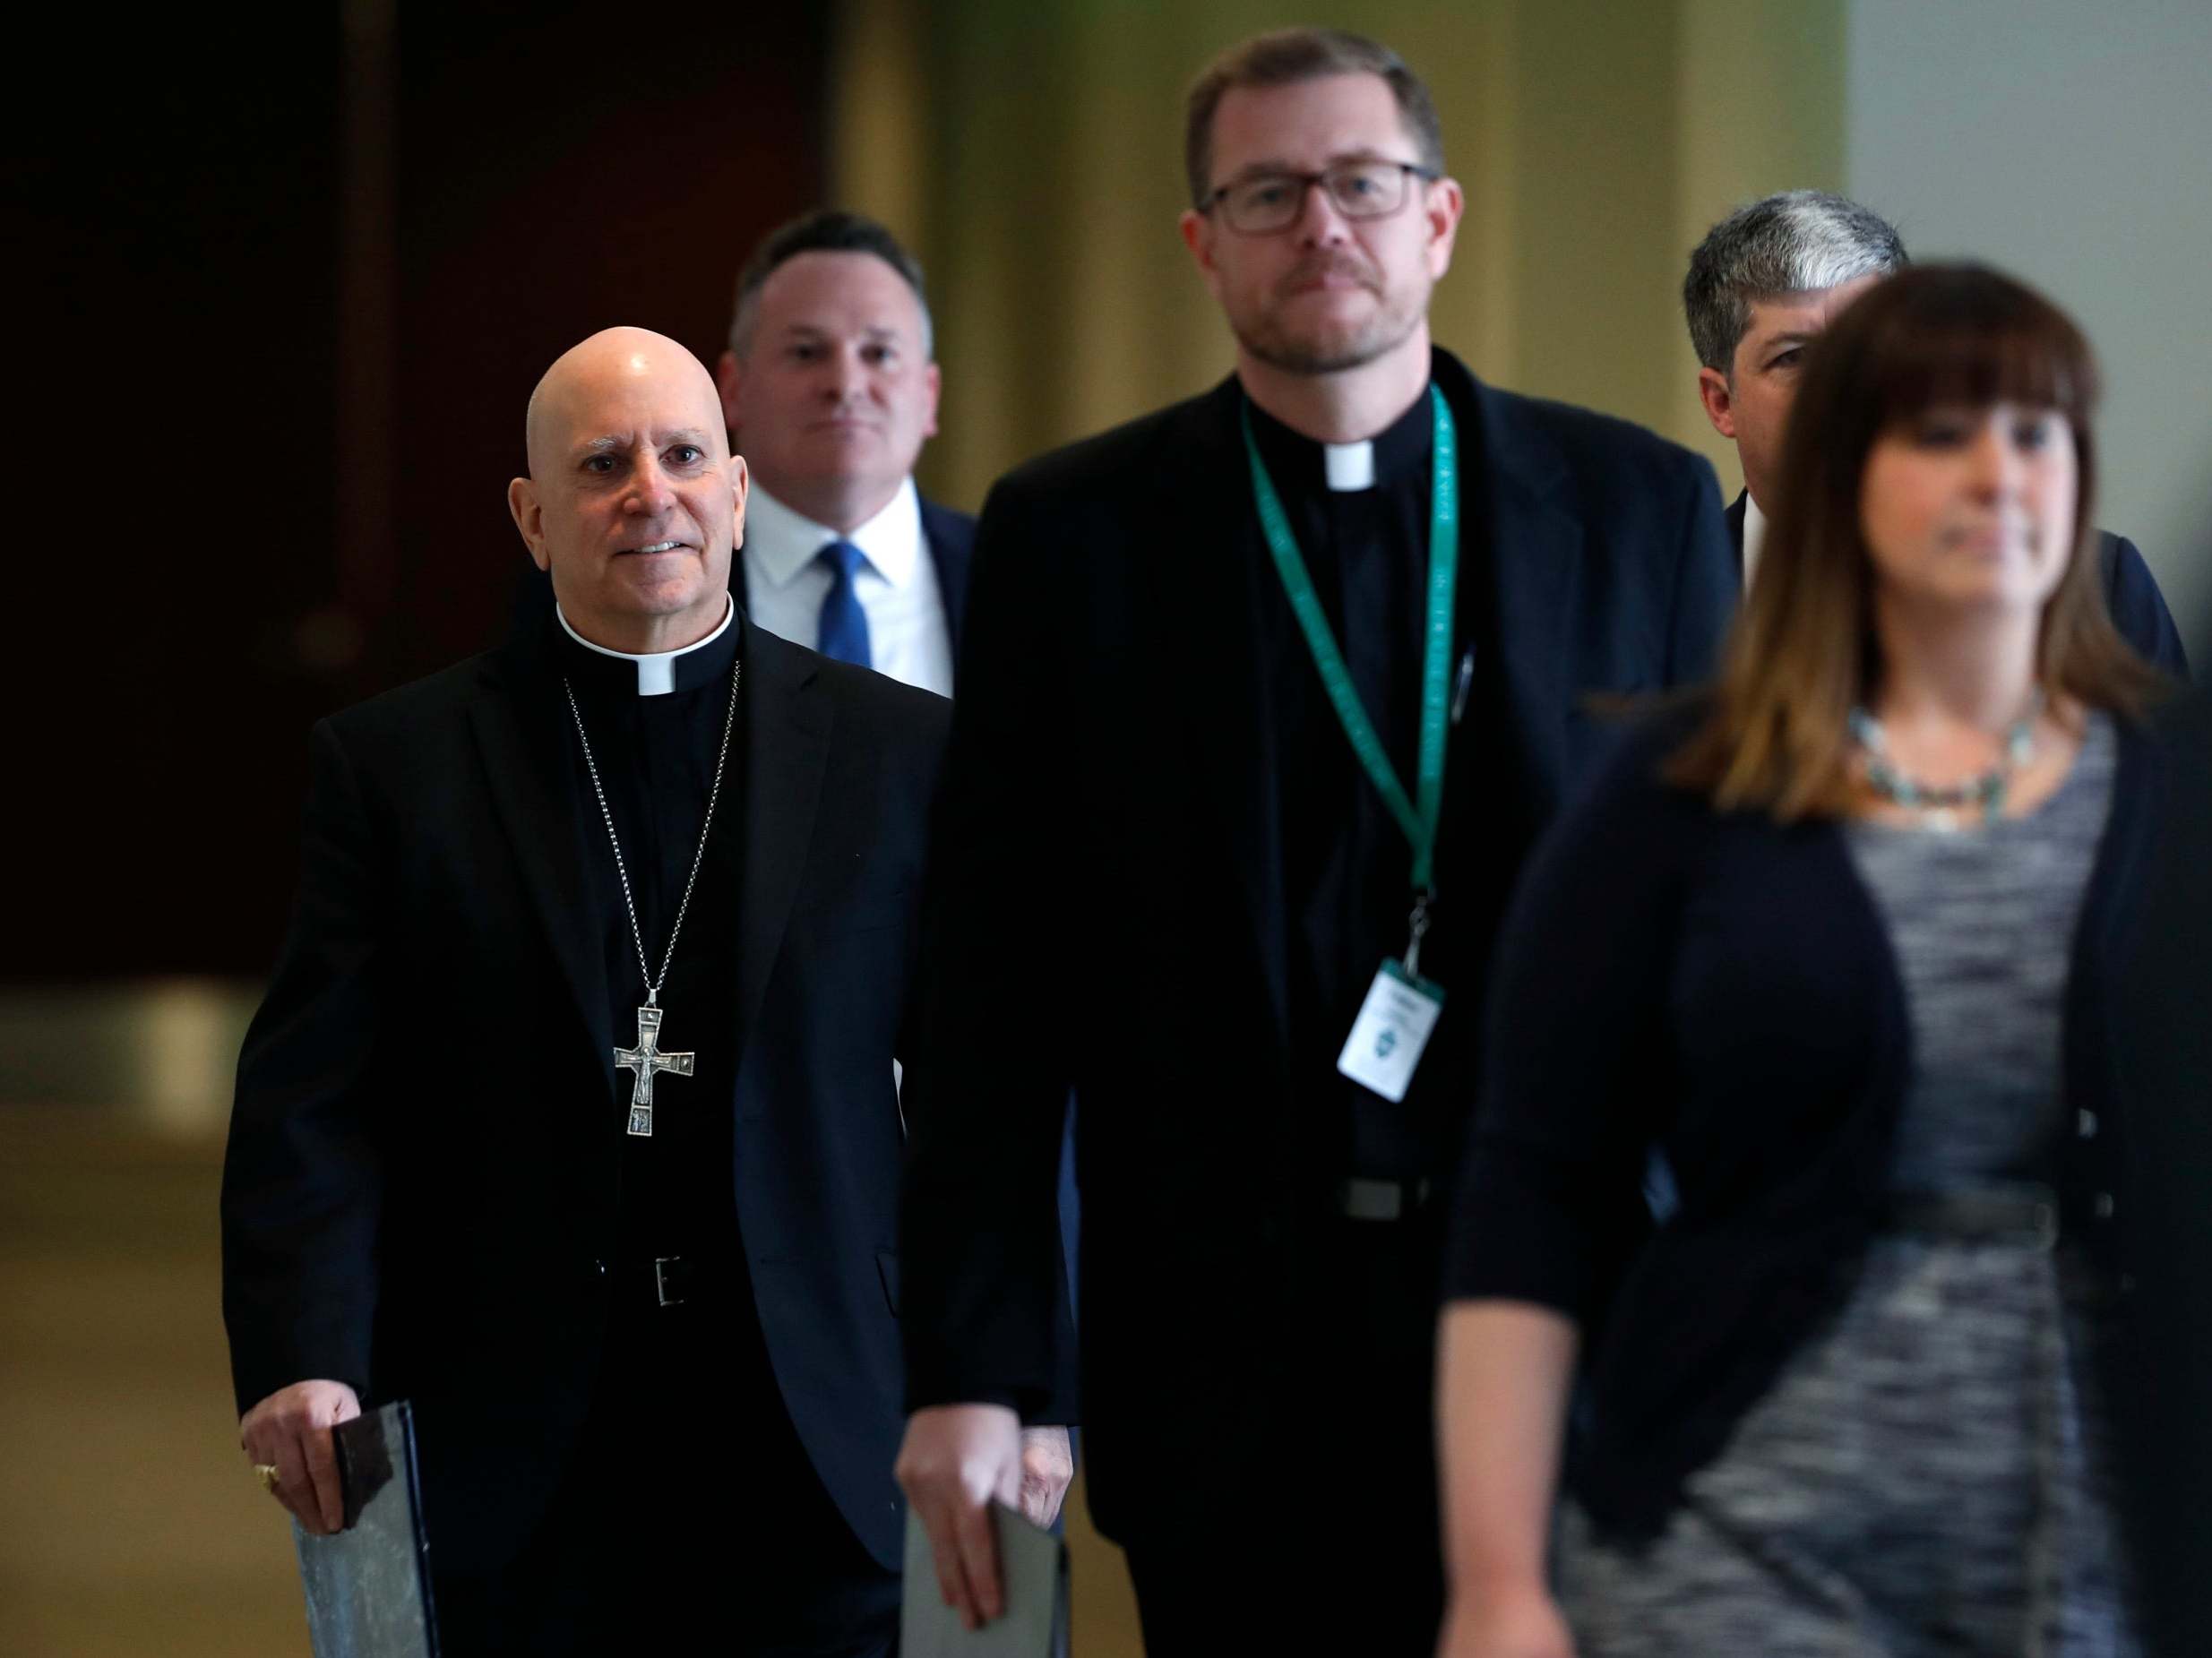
1417,816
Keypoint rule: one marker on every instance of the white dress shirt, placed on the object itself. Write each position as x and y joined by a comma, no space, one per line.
896,585
1754,538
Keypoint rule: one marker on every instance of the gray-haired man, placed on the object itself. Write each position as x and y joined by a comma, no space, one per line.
1764,283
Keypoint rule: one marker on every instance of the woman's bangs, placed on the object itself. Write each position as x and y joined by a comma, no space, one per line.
2029,356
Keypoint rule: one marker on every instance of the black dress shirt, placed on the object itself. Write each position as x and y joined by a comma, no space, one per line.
1347,864
656,758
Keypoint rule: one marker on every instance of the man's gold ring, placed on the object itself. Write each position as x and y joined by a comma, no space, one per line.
266,1473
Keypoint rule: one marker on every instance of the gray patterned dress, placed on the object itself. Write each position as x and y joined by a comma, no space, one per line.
1928,1474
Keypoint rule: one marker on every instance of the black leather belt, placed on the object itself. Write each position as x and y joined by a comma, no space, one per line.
1360,1199
2024,1215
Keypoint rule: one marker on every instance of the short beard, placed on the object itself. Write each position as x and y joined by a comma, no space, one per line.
1390,328
1278,350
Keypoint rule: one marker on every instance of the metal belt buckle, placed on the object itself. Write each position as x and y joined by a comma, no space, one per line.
664,1287
1364,1200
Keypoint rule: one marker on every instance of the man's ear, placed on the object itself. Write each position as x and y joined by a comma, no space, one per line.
740,486
1719,399
1198,235
932,382
727,375
530,517
1442,204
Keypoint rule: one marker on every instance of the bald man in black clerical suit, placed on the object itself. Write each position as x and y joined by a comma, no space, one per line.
569,1116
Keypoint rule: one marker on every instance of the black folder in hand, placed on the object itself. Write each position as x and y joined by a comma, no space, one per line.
368,1587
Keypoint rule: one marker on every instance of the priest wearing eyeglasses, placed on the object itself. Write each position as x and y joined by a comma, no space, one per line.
571,1114
1264,699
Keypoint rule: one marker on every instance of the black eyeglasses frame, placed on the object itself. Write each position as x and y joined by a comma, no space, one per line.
1306,183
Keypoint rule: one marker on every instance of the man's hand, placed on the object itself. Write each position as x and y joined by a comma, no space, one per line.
956,1458
290,1431
1047,1465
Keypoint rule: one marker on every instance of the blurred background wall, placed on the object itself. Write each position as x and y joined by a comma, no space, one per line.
281,291
1034,155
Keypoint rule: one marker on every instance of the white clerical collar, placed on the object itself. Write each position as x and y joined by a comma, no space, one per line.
655,669
1754,538
780,541
1349,466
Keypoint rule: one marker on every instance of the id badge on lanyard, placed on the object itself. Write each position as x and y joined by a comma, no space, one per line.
1399,1013
1393,1026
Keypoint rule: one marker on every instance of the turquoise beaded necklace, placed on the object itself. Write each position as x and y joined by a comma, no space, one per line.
1986,790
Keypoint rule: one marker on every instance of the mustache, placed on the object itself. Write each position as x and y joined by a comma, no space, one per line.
1325,262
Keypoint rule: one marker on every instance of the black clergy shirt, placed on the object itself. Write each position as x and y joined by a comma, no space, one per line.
656,759
1347,864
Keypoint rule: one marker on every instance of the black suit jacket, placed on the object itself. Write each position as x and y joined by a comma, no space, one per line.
1105,902
2131,595
2163,1043
951,538
420,1193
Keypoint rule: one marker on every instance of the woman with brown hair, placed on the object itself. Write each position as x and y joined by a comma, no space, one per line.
1798,1162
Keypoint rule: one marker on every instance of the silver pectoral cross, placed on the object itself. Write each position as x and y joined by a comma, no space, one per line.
644,1060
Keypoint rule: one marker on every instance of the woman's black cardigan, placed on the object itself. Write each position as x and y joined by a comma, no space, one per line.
1719,990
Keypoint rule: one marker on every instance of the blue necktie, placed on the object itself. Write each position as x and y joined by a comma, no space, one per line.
843,632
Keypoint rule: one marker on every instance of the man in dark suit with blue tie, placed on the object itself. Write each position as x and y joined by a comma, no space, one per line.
1265,698
830,386
1762,285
